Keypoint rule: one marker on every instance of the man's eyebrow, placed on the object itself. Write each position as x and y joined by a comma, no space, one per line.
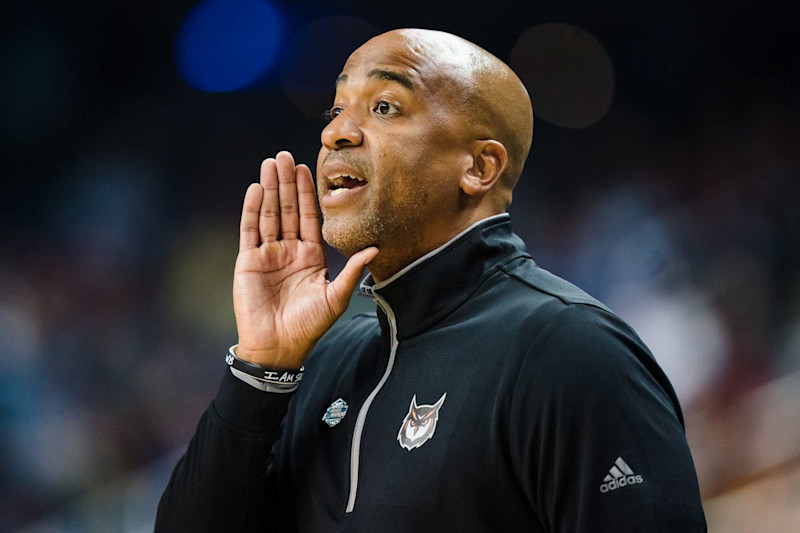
389,75
381,74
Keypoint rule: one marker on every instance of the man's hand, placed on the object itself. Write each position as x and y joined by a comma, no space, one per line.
282,299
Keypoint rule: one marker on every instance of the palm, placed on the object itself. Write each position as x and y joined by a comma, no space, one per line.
282,299
280,288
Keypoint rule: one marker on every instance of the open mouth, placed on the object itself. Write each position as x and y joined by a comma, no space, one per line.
338,184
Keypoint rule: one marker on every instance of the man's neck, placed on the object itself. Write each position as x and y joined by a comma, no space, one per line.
390,261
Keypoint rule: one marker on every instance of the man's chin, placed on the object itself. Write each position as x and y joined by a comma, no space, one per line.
347,238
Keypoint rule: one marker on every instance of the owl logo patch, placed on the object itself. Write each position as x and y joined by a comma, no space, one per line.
419,424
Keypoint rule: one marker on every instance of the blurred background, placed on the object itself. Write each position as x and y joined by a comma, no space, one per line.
664,179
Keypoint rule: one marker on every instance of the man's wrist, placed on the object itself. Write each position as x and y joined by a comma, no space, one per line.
263,373
265,386
267,358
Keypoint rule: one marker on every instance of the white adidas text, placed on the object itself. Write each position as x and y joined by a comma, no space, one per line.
620,475
615,484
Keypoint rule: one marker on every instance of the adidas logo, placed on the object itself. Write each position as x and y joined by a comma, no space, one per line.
619,476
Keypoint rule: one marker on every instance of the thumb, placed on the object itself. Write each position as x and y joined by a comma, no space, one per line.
340,289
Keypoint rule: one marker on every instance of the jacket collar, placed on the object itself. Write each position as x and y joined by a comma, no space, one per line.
433,286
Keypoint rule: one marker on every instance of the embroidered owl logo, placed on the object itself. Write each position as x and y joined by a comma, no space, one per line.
419,424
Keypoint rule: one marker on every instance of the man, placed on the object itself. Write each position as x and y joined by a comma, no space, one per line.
484,395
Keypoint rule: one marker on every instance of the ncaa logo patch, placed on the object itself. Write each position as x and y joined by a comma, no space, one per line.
419,424
334,414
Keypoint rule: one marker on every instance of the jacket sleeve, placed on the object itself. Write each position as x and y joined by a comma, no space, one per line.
597,431
226,480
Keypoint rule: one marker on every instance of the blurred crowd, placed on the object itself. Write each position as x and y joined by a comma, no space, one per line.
119,235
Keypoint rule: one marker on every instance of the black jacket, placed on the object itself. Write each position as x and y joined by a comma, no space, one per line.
486,395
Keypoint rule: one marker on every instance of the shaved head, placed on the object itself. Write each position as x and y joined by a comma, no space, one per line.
487,95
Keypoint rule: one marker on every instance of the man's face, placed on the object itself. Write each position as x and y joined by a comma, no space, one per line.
387,172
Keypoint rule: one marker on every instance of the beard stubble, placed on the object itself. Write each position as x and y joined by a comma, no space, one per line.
392,222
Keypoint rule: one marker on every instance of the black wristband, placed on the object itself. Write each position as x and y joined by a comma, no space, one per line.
261,373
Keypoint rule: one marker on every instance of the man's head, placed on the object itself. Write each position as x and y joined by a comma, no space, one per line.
432,131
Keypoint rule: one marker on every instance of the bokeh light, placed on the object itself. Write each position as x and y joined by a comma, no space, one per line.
226,45
567,72
316,55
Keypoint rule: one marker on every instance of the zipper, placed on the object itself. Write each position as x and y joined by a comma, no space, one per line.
355,449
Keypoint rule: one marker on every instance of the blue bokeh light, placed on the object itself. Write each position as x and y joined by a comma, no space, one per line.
226,45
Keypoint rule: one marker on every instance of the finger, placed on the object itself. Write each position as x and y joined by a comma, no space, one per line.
287,188
340,289
269,221
248,228
310,228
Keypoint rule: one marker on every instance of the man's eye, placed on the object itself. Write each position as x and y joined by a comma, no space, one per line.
332,113
385,108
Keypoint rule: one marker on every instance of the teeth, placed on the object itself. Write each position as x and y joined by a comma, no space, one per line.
339,180
337,192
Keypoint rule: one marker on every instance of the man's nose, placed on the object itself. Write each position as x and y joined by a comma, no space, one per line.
342,131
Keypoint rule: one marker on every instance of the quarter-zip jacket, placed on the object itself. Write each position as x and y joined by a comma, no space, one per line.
552,416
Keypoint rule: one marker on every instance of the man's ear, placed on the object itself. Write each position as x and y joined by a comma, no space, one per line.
489,160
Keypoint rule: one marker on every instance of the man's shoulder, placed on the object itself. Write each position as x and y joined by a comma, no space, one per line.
562,325
546,284
575,343
524,298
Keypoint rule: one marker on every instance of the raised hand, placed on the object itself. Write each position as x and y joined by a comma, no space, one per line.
281,296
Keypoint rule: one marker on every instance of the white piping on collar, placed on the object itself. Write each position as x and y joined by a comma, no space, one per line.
430,254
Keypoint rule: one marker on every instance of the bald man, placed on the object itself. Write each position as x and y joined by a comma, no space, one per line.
485,394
